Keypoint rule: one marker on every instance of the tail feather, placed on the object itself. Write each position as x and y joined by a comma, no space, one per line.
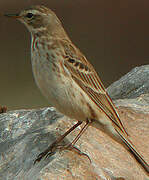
132,148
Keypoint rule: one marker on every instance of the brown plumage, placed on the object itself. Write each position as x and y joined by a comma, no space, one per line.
68,80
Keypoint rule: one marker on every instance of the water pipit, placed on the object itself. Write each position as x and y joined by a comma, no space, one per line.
68,80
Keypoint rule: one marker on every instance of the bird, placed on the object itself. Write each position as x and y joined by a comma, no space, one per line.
69,81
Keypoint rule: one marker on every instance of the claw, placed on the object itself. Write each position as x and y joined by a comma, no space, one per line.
39,157
48,152
70,147
79,152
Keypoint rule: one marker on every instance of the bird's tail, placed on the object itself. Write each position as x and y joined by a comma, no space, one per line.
132,148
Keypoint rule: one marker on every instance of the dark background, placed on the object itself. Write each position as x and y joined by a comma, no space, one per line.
114,36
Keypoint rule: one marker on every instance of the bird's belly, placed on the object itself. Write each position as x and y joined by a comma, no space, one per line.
65,95
69,99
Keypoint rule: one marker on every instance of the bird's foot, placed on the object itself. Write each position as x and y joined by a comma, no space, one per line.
71,147
48,152
51,149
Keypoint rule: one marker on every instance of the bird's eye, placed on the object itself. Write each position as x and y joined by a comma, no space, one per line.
29,15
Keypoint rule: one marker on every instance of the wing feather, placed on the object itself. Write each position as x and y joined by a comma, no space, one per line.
86,77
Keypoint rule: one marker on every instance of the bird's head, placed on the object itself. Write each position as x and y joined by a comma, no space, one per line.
38,20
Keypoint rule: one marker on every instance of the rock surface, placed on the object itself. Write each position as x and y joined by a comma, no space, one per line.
26,133
132,85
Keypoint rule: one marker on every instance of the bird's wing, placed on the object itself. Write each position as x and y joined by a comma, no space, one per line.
86,77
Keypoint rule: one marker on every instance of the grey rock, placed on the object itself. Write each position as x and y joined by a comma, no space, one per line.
21,134
140,104
131,85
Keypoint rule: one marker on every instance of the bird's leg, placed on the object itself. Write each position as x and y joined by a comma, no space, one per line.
53,146
71,145
88,122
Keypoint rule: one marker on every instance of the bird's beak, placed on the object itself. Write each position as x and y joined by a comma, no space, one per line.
15,16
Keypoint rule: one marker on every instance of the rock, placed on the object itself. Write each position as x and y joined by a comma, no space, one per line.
26,133
131,85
